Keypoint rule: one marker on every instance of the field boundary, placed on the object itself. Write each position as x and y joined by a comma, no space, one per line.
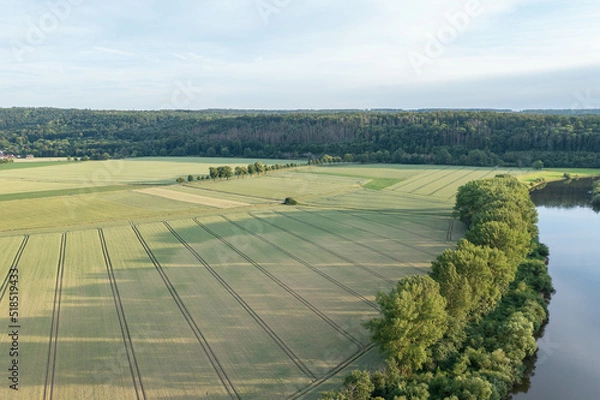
332,252
54,324
295,359
306,264
15,264
285,287
136,376
223,377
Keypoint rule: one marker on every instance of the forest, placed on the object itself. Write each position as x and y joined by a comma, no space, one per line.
452,137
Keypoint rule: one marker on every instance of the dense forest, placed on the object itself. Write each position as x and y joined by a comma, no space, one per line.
459,137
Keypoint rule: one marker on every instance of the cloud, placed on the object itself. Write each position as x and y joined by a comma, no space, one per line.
309,53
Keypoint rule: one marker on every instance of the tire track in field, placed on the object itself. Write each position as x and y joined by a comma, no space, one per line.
332,252
452,182
295,359
377,234
54,324
435,228
306,264
13,266
331,373
223,377
285,287
407,182
485,177
125,334
441,177
450,230
374,250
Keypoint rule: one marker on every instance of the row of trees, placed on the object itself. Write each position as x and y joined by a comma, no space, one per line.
480,138
240,171
463,331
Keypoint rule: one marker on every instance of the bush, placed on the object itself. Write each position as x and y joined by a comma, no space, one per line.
289,201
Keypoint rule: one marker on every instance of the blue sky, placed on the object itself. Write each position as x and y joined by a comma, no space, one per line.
289,54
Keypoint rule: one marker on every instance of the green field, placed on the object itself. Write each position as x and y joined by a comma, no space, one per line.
211,289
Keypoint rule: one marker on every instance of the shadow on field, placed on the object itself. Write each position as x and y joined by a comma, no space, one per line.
260,303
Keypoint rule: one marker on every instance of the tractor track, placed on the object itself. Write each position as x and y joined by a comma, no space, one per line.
306,264
125,333
332,252
54,324
15,265
295,359
285,287
223,377
372,249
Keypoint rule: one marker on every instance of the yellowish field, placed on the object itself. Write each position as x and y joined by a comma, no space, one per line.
191,198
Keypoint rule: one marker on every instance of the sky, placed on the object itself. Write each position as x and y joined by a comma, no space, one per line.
300,54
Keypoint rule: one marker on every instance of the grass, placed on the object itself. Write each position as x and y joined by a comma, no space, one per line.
258,301
381,183
61,192
27,165
532,177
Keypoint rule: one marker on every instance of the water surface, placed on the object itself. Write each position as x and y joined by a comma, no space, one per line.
568,364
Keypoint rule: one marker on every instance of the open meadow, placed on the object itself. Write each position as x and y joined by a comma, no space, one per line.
129,286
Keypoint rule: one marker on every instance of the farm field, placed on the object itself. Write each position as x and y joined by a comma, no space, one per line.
211,289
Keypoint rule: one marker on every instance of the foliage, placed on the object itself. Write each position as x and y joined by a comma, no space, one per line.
413,319
290,201
478,138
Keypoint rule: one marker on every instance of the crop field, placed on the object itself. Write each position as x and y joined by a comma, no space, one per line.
211,289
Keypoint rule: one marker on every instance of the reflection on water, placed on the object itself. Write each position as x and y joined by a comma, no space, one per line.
566,365
564,194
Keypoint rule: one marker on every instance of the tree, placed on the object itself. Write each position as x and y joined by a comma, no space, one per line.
413,318
190,178
538,164
251,169
226,172
180,180
473,278
259,167
241,171
213,173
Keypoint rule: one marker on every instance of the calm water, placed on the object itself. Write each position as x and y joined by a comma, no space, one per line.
568,364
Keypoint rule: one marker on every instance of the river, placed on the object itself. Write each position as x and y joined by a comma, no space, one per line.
568,359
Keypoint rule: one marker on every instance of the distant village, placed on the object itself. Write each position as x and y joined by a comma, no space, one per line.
5,156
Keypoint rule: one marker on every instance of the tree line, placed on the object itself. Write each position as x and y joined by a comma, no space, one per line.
226,171
464,330
455,137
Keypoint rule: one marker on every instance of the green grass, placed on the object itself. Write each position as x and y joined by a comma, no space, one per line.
532,177
381,183
61,192
28,165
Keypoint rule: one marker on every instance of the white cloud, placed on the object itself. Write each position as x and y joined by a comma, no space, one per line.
309,54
